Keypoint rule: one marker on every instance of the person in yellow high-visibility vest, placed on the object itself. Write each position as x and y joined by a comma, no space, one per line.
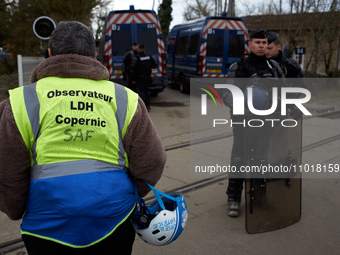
71,144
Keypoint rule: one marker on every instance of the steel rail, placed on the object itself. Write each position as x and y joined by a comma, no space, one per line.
11,246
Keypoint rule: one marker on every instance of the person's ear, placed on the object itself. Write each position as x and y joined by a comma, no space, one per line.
49,52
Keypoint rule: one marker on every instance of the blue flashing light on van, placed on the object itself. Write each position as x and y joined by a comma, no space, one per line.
122,29
205,47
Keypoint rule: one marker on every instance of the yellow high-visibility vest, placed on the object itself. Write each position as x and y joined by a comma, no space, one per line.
73,119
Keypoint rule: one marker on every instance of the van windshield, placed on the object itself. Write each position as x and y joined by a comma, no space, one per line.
215,44
148,37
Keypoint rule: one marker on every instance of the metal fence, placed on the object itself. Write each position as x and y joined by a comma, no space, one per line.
21,76
25,68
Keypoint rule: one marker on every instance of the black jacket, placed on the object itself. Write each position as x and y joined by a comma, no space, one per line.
142,66
290,68
255,66
127,60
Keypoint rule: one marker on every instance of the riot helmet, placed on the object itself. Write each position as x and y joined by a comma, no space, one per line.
259,97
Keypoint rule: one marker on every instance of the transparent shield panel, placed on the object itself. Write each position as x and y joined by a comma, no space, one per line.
272,204
273,188
272,146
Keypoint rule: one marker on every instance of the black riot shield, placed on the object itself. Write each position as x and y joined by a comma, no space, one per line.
273,184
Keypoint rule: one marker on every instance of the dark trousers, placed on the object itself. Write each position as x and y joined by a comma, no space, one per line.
131,85
235,185
120,242
143,84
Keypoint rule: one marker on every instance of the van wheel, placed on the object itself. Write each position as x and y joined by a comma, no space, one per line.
182,86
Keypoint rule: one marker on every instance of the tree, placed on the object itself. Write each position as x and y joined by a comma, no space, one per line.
231,8
26,11
201,8
320,20
198,9
308,22
100,14
5,14
164,15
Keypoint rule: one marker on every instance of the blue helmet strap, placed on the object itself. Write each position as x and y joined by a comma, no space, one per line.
135,190
158,195
139,200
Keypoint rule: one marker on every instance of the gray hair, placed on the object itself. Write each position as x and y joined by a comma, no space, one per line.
72,37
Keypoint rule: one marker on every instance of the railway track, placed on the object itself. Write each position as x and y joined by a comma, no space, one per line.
17,244
10,246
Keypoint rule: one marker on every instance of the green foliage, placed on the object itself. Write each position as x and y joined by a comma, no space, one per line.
7,82
164,15
7,66
24,13
4,17
198,9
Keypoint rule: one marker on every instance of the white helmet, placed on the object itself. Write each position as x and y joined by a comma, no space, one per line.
162,220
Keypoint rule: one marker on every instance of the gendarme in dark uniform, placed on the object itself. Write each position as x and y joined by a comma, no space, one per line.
127,61
289,66
255,66
141,69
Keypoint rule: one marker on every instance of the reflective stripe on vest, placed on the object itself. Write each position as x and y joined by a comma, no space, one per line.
63,168
125,104
121,95
33,109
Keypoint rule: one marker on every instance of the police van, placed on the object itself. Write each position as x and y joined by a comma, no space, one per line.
123,28
205,47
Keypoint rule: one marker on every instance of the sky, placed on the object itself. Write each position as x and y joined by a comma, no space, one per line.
177,7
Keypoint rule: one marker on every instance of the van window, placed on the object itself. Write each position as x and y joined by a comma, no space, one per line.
148,37
193,44
181,45
236,46
122,42
215,45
